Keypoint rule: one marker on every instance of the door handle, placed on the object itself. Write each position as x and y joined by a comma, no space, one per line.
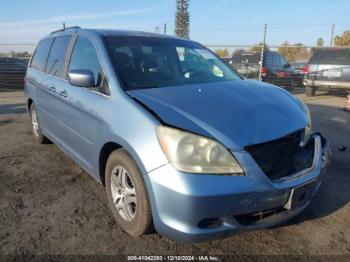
52,89
64,93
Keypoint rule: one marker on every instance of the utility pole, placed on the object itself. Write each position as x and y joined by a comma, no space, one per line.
164,28
332,35
262,51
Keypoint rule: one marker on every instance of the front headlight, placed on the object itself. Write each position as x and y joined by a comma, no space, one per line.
308,128
196,154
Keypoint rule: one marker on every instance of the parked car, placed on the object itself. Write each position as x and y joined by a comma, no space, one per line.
12,72
275,69
328,69
175,135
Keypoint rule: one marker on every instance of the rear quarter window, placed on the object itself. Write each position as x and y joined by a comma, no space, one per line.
41,54
338,56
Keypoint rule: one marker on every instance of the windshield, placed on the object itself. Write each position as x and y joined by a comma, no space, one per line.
149,62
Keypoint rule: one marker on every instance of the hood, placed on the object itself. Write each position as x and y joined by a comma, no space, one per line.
235,113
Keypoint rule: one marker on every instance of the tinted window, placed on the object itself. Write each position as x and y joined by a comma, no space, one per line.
84,56
55,64
334,56
246,58
276,59
268,59
283,60
41,53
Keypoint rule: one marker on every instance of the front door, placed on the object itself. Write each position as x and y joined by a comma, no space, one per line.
79,105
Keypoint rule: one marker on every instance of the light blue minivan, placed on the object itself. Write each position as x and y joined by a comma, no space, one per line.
179,139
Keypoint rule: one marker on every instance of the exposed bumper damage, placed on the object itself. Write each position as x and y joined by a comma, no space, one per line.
194,208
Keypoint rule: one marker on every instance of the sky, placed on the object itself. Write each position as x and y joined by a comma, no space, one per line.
212,22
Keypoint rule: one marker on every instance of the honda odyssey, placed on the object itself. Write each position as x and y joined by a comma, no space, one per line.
178,138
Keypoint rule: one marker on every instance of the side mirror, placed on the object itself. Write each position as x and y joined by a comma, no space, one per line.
286,65
81,77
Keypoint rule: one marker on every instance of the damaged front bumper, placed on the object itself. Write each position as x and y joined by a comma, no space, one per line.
194,208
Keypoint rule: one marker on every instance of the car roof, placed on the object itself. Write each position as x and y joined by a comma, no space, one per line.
107,32
249,52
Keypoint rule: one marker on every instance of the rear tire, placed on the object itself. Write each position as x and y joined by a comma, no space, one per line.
127,194
38,135
310,91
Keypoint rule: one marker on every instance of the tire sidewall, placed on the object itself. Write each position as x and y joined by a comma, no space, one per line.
142,219
40,138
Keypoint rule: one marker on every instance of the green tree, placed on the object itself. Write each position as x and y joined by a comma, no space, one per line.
222,52
239,50
320,42
182,19
343,39
23,54
258,47
293,52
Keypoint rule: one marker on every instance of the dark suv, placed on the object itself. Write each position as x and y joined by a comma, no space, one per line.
275,69
328,69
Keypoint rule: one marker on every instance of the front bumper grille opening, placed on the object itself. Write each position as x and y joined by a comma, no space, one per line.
258,217
210,223
284,156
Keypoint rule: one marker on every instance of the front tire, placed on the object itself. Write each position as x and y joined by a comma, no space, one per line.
127,194
38,135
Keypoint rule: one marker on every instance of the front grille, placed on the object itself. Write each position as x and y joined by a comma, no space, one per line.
259,217
283,157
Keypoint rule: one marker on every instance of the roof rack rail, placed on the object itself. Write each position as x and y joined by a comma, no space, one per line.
66,28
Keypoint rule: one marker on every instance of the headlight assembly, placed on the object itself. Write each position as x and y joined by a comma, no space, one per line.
192,153
308,128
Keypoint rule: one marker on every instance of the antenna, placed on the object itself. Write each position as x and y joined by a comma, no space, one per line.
66,28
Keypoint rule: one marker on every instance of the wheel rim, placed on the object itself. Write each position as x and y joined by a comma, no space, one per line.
35,123
123,193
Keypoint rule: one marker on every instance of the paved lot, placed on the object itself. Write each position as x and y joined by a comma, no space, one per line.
48,205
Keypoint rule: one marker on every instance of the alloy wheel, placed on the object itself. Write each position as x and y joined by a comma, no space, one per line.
123,193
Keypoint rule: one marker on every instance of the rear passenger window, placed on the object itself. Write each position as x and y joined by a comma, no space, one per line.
55,64
40,55
276,60
268,60
84,56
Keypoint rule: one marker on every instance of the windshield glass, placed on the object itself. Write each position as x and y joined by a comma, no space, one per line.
149,62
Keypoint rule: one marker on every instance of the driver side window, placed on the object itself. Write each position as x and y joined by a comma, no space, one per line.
84,56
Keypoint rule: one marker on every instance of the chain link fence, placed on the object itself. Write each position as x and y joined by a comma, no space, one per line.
313,70
12,73
14,60
297,68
